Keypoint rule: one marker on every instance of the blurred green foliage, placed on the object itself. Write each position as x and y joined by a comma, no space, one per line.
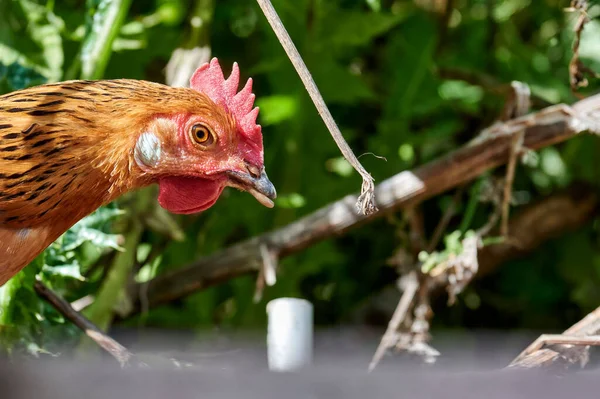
406,80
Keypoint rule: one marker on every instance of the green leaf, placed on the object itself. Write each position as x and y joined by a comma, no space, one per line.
76,237
105,18
35,41
100,217
504,10
72,270
89,229
406,152
465,94
340,166
338,84
7,293
590,45
355,28
276,109
16,77
293,200
374,4
407,71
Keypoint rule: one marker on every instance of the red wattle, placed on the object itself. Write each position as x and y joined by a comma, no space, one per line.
185,195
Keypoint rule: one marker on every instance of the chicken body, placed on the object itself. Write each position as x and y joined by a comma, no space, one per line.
70,147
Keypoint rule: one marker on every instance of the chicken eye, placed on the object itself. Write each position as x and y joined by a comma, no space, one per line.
201,134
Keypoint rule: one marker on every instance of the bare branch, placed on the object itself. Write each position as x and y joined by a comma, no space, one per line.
366,200
114,348
544,128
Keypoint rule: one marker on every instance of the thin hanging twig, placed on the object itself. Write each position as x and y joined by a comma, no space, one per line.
577,69
366,201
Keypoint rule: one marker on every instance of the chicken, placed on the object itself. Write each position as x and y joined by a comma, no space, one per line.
67,148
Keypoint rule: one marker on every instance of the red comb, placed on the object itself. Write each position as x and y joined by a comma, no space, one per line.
209,80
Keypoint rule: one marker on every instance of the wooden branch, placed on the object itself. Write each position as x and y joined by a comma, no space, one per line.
114,348
544,128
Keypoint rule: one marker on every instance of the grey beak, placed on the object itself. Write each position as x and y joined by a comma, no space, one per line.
256,184
264,186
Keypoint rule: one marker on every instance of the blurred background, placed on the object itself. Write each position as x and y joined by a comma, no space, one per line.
407,81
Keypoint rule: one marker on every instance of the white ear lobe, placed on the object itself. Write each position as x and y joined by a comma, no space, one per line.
147,150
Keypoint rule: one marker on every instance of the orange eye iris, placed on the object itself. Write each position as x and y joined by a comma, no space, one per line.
201,134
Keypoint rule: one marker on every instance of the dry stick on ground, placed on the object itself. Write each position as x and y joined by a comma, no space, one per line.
114,348
544,128
390,337
568,346
366,200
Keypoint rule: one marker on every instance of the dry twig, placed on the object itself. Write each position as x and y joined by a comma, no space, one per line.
572,346
439,230
115,349
577,70
516,106
391,337
366,200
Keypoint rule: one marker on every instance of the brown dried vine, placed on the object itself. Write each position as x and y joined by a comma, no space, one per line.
577,69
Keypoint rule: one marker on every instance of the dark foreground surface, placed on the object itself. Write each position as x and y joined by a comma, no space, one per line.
212,366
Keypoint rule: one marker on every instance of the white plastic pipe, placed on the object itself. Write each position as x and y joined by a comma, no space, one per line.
290,334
